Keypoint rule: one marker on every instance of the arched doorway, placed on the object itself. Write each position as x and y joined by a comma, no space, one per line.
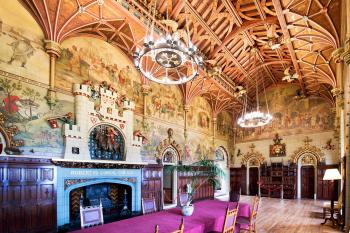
253,174
169,159
307,158
221,160
252,160
307,177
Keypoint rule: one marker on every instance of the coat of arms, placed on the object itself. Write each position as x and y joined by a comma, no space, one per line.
278,149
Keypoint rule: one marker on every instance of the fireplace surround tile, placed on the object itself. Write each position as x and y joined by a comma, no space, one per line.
72,178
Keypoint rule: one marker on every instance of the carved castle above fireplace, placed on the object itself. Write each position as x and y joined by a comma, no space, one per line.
103,131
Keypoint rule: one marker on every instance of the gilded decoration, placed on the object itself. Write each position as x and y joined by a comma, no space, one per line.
308,159
166,143
308,149
278,149
70,182
252,155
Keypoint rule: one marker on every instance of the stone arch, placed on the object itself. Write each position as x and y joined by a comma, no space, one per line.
252,154
308,149
169,143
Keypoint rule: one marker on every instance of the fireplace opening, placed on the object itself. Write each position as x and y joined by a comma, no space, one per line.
115,199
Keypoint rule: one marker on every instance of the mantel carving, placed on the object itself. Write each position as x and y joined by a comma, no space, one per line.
70,182
253,154
307,148
88,164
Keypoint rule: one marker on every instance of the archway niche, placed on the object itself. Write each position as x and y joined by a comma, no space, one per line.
221,159
169,153
307,158
252,161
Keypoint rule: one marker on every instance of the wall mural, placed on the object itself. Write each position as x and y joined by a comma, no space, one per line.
199,115
21,44
291,115
24,106
224,124
85,58
165,102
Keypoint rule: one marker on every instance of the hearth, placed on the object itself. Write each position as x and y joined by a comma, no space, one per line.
115,199
115,188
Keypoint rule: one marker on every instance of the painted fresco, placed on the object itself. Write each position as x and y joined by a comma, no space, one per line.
85,58
21,44
224,124
155,132
291,116
165,102
199,147
199,114
24,106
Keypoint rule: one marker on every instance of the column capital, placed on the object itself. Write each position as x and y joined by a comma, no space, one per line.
52,48
187,107
145,89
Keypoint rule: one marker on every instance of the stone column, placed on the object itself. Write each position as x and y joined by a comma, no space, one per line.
214,130
53,49
145,89
186,110
346,76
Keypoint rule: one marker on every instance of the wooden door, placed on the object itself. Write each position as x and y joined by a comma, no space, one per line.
253,181
307,182
152,184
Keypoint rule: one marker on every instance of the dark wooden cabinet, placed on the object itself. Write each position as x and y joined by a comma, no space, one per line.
27,195
238,177
324,187
278,181
152,184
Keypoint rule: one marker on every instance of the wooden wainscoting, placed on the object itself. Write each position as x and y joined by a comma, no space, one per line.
325,187
152,184
27,195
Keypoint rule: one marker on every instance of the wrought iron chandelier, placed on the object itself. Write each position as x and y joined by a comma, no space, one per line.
255,118
170,59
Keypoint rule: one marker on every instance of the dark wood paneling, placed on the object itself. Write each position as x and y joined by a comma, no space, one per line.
325,188
253,181
307,182
152,184
27,195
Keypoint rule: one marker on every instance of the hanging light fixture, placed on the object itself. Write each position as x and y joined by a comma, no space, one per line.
170,59
254,118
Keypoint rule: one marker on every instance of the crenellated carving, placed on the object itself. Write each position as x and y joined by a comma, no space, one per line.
308,149
253,155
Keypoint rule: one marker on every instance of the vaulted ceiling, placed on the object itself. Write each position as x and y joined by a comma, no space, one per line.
234,35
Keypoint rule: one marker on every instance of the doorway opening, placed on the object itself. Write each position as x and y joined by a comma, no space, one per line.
169,184
253,181
307,181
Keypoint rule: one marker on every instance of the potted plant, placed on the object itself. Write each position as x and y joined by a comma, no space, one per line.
201,172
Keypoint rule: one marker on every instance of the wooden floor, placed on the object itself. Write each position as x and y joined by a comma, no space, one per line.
290,216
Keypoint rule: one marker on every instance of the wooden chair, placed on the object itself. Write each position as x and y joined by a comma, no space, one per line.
251,220
230,220
91,216
148,205
181,228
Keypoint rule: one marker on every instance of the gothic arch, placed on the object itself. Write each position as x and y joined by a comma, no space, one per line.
308,149
252,154
169,143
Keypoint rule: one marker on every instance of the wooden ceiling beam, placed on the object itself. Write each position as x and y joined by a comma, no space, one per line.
285,31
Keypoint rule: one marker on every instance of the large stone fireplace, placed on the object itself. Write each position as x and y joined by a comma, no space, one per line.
72,180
